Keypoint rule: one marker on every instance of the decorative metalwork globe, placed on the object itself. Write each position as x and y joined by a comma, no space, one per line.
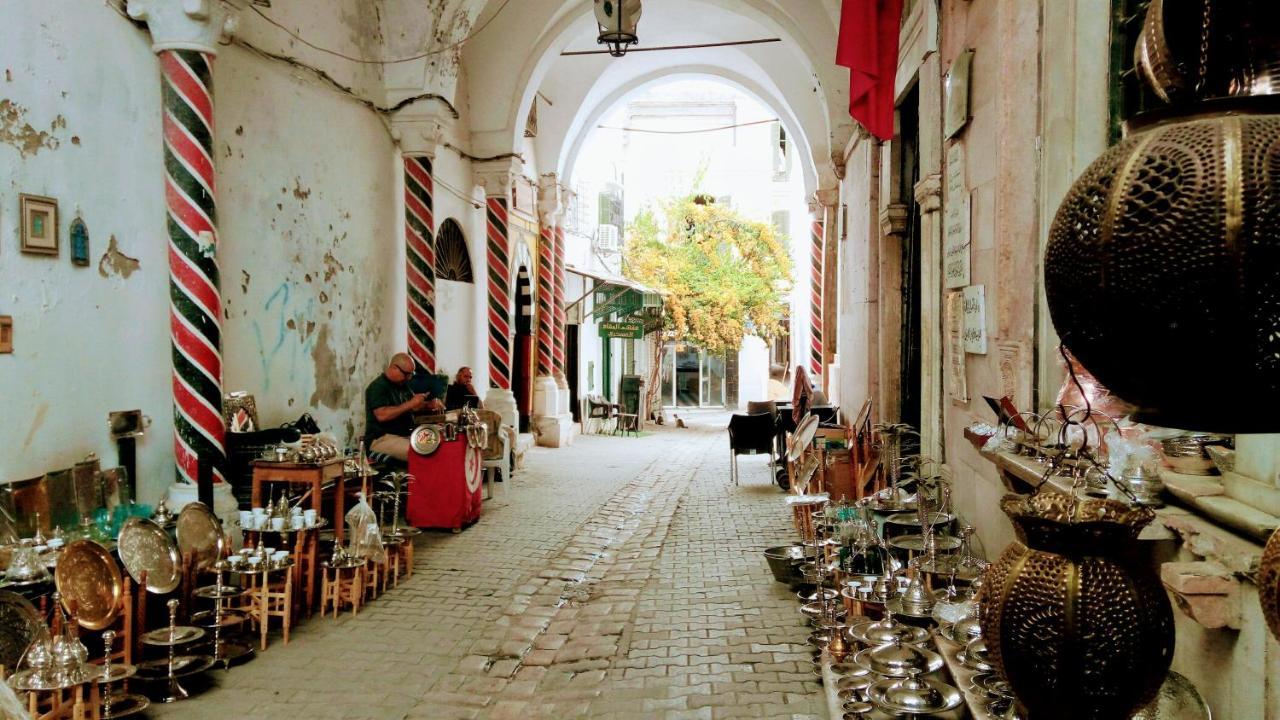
1163,268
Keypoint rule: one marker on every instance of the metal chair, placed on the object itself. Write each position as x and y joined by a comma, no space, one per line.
750,435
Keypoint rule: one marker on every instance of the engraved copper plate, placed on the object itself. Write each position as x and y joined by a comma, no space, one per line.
20,624
145,547
90,583
200,535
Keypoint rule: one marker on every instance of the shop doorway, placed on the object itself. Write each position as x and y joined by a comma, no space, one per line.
571,368
909,351
522,360
692,377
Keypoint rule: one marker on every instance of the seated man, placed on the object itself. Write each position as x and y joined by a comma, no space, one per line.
389,407
461,391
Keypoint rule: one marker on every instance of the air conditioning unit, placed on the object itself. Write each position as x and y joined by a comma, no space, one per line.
607,238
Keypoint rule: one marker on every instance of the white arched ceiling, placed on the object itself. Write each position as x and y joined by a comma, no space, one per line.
519,53
567,142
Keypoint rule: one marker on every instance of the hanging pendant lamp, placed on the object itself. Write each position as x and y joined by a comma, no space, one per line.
617,20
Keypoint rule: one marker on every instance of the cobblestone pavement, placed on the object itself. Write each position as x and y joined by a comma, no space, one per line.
618,578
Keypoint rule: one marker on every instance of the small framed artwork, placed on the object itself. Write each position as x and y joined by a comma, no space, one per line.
79,236
39,224
6,334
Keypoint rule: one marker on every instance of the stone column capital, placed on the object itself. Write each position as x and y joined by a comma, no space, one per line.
893,219
186,24
823,199
928,193
418,128
498,176
550,198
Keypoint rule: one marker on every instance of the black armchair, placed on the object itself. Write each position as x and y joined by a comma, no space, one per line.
750,435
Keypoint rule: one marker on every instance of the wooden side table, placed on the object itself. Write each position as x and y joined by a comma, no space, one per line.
313,474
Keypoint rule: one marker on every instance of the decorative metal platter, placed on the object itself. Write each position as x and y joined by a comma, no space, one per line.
90,583
894,605
119,671
30,680
127,705
803,437
20,624
220,592
183,665
425,439
208,619
915,543
200,535
145,547
1178,699
179,635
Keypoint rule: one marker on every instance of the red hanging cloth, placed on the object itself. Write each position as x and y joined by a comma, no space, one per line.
868,46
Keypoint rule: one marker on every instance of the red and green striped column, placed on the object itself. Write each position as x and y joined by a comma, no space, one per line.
816,257
419,235
499,310
557,301
546,298
194,296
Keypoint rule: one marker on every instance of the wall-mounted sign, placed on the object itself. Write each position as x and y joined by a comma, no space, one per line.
953,317
975,319
955,220
955,91
626,329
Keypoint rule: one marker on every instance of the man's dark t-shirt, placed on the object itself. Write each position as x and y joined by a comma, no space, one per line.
384,393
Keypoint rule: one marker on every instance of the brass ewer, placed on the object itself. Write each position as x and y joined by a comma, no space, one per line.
1072,614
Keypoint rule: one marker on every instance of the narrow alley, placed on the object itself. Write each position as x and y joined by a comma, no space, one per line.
621,577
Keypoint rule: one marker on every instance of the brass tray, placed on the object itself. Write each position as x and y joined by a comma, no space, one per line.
128,705
183,665
90,583
176,635
200,535
145,547
20,625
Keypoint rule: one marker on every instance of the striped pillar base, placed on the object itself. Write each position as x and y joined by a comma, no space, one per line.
194,298
815,298
419,232
499,295
546,300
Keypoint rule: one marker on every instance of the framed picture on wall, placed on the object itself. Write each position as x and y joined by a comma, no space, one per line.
39,217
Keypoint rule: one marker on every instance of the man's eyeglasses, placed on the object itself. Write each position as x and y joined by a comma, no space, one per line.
406,373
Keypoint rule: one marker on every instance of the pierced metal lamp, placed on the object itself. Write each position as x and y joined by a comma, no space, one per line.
618,20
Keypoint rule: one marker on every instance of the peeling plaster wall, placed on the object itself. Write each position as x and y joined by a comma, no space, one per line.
84,343
310,229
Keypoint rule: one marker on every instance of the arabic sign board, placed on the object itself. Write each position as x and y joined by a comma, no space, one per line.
626,329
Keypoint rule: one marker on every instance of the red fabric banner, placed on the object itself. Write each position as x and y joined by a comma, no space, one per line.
868,46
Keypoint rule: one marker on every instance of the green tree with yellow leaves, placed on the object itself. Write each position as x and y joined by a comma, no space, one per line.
723,276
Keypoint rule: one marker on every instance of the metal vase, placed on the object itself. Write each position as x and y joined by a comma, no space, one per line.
1072,613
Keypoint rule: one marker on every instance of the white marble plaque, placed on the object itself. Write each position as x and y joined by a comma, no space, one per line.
955,220
953,317
975,319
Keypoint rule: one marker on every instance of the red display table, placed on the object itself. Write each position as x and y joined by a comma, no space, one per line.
444,491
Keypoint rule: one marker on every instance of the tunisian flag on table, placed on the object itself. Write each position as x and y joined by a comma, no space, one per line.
868,46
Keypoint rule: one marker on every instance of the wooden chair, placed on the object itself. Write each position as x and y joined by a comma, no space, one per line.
273,599
342,586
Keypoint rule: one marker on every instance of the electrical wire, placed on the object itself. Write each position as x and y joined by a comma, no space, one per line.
688,132
362,61
700,46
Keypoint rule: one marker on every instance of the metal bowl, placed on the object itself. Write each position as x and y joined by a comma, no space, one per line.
897,660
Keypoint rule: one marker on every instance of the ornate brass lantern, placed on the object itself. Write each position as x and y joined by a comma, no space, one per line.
1072,614
1163,265
618,20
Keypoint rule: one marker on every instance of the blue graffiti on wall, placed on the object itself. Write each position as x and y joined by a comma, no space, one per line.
283,319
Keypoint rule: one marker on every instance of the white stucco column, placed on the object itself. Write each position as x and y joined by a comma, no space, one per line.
552,426
497,178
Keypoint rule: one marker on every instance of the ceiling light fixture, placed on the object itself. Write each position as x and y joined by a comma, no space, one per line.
617,20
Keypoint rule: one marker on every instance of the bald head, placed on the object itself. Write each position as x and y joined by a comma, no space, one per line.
400,368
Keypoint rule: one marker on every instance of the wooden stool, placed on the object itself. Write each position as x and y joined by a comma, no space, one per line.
343,584
402,559
374,573
273,600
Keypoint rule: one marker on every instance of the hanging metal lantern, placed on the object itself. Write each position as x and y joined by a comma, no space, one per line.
1162,270
618,20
